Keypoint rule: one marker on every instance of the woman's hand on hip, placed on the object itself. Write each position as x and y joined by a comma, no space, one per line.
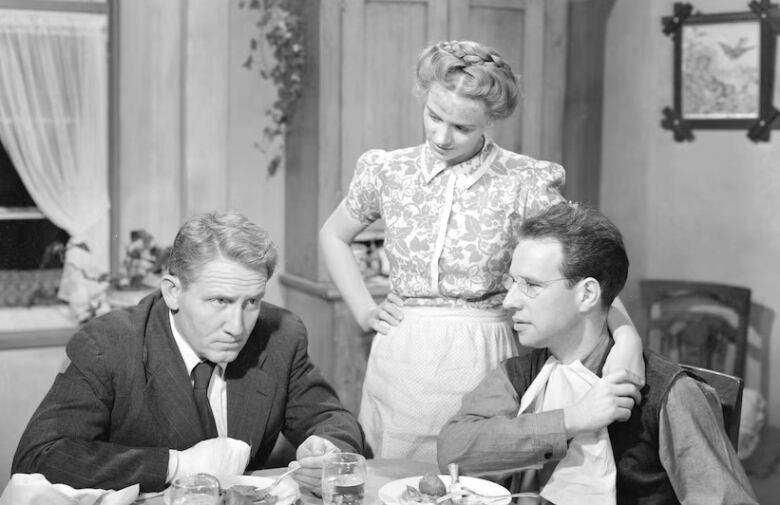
385,315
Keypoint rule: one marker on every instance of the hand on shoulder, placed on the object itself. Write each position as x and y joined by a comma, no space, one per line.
610,399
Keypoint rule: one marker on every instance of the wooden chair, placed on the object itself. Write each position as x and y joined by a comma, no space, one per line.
698,323
729,389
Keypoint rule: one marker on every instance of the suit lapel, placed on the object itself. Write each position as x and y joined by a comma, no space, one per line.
249,402
250,391
168,388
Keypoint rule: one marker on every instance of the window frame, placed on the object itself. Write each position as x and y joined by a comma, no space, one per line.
111,9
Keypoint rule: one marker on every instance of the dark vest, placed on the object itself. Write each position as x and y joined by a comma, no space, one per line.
641,479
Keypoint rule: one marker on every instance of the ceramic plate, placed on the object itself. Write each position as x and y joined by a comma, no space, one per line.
390,493
287,490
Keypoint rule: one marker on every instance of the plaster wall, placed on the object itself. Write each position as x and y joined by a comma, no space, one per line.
703,210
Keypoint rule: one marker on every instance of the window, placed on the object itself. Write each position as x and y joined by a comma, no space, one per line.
54,130
24,230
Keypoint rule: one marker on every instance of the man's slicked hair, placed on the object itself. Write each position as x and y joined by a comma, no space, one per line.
205,237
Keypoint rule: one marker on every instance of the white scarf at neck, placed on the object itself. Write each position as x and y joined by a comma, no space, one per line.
586,475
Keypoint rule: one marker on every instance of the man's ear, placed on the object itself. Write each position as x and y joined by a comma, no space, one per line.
171,288
589,293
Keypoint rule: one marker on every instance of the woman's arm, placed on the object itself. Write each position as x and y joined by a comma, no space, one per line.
336,236
627,351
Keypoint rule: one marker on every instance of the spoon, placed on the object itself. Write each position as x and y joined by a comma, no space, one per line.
263,492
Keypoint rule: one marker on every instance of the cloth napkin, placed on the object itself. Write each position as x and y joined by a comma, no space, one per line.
34,489
586,475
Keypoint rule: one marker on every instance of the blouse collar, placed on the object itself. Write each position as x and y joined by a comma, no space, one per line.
471,169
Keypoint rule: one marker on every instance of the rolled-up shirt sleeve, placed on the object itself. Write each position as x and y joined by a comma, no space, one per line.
487,436
699,459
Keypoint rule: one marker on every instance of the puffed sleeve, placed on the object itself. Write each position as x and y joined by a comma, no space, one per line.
541,188
362,200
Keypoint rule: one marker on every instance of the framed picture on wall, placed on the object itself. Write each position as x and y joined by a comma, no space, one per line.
724,66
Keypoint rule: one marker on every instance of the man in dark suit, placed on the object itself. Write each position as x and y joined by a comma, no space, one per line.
200,376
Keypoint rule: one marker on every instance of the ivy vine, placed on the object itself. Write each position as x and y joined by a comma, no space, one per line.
280,26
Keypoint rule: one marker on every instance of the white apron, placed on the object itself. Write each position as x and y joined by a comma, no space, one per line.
419,371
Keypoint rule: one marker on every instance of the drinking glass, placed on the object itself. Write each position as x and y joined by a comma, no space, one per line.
343,479
198,489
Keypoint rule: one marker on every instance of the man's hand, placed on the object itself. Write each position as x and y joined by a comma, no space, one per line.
309,455
610,399
218,456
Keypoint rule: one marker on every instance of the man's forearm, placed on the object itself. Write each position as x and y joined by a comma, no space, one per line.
487,435
502,444
101,465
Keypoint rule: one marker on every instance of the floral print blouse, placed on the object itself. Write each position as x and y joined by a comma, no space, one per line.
448,234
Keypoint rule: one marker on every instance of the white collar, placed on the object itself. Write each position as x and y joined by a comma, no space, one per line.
191,359
471,170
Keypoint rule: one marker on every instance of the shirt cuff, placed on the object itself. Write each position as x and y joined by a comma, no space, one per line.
559,445
173,465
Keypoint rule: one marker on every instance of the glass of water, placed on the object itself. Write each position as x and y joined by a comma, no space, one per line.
198,489
343,479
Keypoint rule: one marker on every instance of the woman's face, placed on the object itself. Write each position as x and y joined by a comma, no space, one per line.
454,125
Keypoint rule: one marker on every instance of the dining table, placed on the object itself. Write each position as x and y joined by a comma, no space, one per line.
378,473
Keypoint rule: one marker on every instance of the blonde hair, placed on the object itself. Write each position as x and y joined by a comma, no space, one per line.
471,70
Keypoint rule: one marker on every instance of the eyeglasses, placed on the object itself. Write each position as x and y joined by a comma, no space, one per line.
529,289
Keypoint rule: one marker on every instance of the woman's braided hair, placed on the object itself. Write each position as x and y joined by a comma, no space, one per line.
472,70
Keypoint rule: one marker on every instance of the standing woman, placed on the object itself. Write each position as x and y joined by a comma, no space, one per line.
447,205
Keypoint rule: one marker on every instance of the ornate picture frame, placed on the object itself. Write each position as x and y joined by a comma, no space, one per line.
724,70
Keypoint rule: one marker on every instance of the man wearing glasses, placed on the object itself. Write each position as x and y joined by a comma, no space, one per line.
590,439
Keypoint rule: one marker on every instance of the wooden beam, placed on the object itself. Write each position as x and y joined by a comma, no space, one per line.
50,5
583,110
114,158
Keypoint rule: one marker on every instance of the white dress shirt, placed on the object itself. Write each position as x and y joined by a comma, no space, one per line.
217,391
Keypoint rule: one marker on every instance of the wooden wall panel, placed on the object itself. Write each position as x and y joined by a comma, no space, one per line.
503,28
391,46
150,126
382,40
205,107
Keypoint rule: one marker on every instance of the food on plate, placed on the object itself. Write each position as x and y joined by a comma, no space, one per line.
428,489
431,484
248,495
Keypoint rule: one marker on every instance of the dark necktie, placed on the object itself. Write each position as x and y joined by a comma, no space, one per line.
201,375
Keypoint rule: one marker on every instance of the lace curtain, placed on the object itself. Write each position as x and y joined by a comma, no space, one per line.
53,122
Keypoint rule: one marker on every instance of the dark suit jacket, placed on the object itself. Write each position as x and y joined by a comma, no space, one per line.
126,398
